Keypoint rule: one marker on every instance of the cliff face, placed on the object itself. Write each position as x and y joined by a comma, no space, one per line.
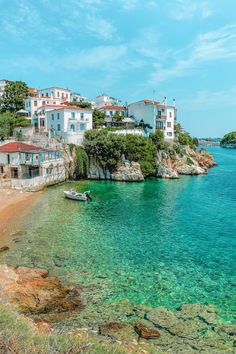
188,162
169,165
129,171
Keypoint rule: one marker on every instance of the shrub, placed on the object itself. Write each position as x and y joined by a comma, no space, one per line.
82,161
229,139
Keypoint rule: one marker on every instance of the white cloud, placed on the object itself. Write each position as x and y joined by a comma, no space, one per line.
100,27
211,46
147,43
185,10
210,99
129,4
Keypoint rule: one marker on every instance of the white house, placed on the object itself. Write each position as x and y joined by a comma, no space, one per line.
110,110
159,116
32,104
3,83
105,100
64,95
25,166
68,123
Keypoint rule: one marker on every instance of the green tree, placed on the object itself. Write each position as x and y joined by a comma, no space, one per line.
99,118
14,95
105,148
117,117
229,139
81,104
7,124
141,149
159,140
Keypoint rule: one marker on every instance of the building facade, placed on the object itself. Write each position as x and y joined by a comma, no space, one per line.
29,167
105,100
58,93
68,123
159,116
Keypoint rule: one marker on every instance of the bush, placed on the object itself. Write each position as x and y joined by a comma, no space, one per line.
105,148
229,139
141,149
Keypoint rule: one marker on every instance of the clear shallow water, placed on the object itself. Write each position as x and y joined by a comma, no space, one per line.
156,243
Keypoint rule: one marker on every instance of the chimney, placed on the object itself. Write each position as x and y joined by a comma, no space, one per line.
165,101
174,102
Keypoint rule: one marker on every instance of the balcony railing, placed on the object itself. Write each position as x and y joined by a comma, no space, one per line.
161,117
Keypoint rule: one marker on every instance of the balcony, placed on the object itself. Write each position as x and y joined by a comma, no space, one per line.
162,117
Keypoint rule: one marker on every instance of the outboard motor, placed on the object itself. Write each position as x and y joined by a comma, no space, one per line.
88,196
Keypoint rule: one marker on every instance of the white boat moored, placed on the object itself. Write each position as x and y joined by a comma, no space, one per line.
72,194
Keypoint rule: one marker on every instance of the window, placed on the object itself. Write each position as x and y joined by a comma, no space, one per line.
73,115
52,116
58,115
58,94
82,126
46,94
159,113
111,113
43,103
82,116
35,103
169,133
67,95
72,127
169,124
160,125
1,169
62,95
58,127
170,114
42,95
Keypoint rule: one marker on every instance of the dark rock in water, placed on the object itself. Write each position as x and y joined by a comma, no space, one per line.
32,291
4,248
145,332
59,261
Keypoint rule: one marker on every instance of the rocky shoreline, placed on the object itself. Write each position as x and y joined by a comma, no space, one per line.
170,164
45,300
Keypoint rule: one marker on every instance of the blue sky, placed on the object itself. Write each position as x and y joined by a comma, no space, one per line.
183,49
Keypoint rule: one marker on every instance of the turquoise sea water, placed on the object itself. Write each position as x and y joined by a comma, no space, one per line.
161,242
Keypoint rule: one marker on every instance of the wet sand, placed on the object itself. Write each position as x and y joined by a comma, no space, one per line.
14,205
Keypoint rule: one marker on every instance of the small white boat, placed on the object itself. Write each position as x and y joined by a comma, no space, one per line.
72,194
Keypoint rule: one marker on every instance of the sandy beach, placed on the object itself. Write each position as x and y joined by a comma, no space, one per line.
14,205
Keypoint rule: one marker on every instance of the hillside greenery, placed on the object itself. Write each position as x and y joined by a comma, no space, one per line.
109,150
229,139
8,122
82,161
14,94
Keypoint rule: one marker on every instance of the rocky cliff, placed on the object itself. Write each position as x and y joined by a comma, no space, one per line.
169,164
186,162
128,171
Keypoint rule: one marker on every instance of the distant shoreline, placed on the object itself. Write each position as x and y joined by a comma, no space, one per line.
14,205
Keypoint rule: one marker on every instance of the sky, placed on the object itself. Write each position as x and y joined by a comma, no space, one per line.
131,50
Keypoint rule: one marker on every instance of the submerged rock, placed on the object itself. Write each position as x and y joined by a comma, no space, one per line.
4,248
32,291
146,332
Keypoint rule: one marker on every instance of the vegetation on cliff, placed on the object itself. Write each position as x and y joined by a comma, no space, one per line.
108,150
229,140
81,163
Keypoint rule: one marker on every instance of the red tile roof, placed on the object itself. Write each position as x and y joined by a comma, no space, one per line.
116,108
18,146
74,108
151,101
